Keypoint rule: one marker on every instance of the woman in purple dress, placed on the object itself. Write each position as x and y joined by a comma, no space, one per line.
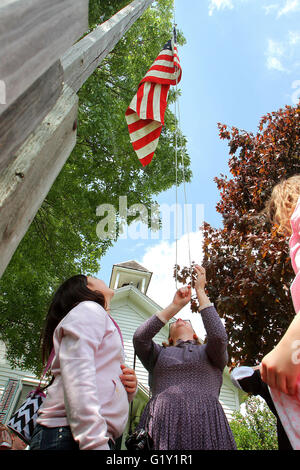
184,412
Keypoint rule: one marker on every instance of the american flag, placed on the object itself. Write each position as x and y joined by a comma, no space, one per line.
145,114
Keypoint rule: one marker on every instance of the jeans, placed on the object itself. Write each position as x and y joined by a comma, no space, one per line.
59,438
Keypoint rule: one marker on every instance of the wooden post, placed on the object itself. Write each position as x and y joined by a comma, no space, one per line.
83,58
34,34
31,168
26,182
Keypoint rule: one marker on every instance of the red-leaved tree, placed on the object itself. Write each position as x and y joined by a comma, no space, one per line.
247,262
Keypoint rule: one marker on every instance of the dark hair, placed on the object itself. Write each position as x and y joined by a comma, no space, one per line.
68,295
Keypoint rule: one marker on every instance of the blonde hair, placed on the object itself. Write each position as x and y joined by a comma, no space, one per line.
281,205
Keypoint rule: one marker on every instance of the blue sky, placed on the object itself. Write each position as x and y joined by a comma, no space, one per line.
241,61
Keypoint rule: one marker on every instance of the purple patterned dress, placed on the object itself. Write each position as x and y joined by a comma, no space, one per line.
184,412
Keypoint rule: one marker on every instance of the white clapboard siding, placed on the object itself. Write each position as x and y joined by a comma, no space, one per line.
21,376
228,399
129,319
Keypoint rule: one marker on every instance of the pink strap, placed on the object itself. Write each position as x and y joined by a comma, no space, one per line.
49,362
52,354
118,328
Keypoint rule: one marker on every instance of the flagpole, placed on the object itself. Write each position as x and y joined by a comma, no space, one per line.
176,167
178,125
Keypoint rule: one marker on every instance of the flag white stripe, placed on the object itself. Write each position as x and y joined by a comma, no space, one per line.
164,63
149,148
131,118
164,75
133,103
144,131
165,52
144,102
156,102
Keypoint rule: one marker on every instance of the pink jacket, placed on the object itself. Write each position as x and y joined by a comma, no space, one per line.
288,407
87,393
295,256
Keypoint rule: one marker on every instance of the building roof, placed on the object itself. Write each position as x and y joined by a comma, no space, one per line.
132,265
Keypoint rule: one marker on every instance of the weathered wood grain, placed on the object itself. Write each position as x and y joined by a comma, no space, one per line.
33,35
83,58
26,182
24,115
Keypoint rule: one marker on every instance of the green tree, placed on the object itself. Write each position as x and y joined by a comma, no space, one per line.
256,429
62,239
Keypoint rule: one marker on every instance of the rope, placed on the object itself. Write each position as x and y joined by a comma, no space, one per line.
178,126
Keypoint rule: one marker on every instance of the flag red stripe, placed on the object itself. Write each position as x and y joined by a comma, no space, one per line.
162,68
163,102
163,81
129,111
150,114
169,58
146,160
140,143
135,126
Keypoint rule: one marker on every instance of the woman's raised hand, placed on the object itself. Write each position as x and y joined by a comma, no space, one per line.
200,281
182,297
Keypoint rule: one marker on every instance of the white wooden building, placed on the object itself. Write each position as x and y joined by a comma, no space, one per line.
130,307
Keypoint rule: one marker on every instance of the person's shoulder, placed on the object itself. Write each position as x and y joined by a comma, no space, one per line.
91,306
86,311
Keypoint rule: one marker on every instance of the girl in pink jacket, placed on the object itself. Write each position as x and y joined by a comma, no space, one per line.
280,369
87,404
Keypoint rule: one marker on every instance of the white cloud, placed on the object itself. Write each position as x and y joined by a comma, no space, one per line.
281,8
219,5
283,55
270,8
294,38
290,6
275,64
275,48
161,259
275,52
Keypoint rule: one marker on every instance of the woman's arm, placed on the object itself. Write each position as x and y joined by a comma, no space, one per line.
217,340
281,367
145,348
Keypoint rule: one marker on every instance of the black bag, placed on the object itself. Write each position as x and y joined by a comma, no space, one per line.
23,421
138,440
